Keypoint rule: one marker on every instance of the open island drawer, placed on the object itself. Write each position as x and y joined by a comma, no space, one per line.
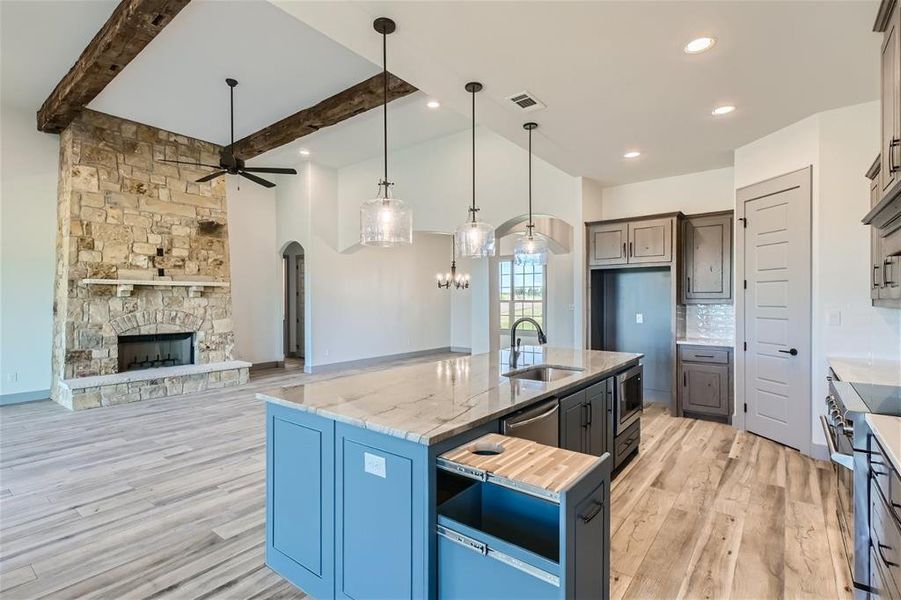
517,519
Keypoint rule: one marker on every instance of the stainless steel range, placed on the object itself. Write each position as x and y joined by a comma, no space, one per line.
846,404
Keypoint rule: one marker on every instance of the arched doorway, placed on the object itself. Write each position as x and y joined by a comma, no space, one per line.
293,283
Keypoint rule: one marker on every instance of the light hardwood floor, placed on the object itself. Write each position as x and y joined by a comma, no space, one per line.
164,499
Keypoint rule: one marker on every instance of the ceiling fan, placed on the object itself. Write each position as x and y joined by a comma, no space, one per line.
231,164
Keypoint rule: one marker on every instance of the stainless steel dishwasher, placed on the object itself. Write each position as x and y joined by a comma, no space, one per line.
539,423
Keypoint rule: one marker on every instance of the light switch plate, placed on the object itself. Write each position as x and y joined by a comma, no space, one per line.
834,318
375,465
639,318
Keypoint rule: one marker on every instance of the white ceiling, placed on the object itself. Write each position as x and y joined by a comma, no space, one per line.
613,74
40,41
282,65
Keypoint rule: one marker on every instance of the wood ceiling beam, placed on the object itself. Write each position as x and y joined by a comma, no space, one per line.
353,101
133,25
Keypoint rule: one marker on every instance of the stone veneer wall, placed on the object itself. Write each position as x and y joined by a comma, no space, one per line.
118,207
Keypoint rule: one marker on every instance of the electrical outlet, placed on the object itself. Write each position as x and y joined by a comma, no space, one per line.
12,377
639,318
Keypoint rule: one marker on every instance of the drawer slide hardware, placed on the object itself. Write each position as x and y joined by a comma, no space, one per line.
483,549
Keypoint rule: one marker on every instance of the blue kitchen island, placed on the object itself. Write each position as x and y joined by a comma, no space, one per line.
398,484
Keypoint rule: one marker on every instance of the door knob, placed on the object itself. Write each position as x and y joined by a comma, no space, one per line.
793,351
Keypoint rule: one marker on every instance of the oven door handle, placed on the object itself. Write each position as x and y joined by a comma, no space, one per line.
844,460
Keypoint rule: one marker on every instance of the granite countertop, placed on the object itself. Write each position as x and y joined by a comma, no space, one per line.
719,342
430,402
887,430
863,370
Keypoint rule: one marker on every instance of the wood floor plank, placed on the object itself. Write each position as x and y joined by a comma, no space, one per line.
165,499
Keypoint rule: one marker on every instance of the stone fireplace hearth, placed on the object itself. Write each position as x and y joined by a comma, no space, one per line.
142,267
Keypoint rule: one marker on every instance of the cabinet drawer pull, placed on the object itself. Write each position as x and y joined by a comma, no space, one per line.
704,356
624,249
630,248
893,168
689,284
885,269
591,514
876,282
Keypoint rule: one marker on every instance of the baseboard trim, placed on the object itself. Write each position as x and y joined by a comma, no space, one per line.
272,364
464,349
377,360
22,397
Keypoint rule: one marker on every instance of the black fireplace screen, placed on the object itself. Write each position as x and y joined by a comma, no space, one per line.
155,350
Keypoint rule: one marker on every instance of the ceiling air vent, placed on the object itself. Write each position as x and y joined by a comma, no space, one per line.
526,101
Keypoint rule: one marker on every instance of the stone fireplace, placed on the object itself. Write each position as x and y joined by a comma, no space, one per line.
142,301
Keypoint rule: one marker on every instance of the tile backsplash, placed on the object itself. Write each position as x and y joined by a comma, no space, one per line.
709,321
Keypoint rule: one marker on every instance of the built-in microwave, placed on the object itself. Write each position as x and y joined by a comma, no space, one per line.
629,399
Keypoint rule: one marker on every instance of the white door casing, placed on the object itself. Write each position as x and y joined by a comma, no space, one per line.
775,312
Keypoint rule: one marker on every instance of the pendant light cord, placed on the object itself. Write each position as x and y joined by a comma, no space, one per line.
531,224
385,104
474,209
231,91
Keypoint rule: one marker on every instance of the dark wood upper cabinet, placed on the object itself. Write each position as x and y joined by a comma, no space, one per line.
884,217
651,241
640,241
608,244
707,259
891,102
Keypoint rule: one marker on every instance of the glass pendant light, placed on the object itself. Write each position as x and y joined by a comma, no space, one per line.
475,238
530,248
385,221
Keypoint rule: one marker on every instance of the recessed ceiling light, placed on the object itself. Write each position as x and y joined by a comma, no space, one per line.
433,104
304,152
722,110
632,154
699,45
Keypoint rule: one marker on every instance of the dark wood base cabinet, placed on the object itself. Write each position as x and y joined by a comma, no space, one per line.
705,382
881,529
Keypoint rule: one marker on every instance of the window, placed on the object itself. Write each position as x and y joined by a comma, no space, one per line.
522,294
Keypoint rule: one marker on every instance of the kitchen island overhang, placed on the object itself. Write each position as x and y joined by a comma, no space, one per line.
353,490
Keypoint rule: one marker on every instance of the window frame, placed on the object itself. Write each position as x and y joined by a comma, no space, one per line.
531,333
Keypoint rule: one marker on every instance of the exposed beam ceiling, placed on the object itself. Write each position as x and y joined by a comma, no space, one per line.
354,100
133,25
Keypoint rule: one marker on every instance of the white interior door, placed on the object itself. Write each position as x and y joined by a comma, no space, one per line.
777,307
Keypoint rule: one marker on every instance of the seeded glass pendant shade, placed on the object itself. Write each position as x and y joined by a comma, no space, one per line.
530,248
385,221
474,238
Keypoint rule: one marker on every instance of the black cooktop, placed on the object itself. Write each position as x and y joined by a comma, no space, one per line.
880,399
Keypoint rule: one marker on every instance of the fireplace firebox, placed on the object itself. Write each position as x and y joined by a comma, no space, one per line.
155,350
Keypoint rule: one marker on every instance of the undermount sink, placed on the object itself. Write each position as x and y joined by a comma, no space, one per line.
543,372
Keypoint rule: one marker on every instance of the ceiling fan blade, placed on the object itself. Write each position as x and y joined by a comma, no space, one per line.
211,176
186,162
256,179
271,170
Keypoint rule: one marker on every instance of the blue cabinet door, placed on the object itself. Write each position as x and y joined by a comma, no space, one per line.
381,510
300,499
599,398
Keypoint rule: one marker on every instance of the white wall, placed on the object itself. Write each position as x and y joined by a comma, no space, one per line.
434,178
257,304
29,163
706,191
364,302
840,144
